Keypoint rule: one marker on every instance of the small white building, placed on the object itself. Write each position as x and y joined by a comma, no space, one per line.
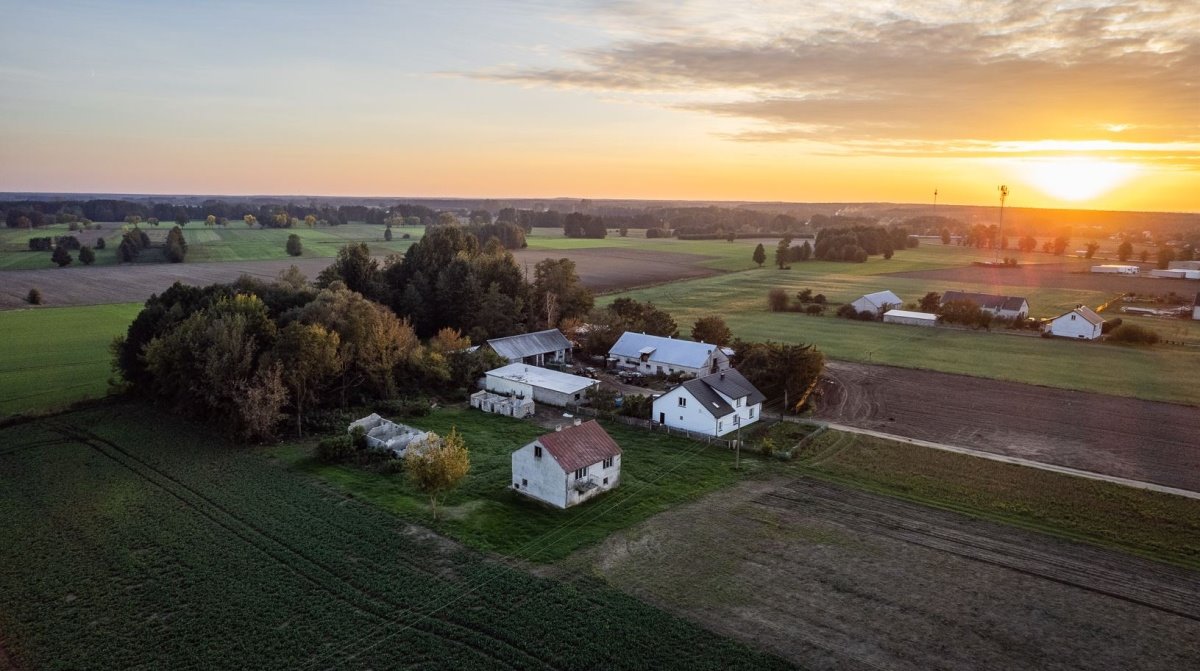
540,384
569,466
510,406
713,405
910,318
878,302
384,434
1114,269
1082,323
539,348
658,355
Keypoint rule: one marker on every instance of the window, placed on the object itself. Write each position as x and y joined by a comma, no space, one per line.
581,473
751,413
1072,317
524,482
738,403
576,397
606,481
608,462
537,451
720,425
683,401
516,486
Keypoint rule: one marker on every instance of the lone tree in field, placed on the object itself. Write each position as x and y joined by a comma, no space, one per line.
294,246
34,297
1125,251
783,253
61,256
387,233
100,244
437,467
175,248
250,220
86,256
777,300
760,255
210,220
712,330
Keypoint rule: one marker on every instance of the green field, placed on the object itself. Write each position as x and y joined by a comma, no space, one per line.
134,540
1162,373
58,355
1158,526
235,242
658,471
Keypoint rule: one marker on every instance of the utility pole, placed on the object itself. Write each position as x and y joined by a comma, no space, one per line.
737,447
935,201
1000,227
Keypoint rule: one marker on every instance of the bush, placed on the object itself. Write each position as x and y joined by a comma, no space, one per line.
34,297
1113,323
67,242
100,242
61,256
814,309
387,234
336,450
406,236
358,438
1134,335
847,311
86,256
405,407
294,246
777,300
658,233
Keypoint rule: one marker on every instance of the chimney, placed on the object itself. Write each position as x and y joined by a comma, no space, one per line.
557,428
722,375
577,422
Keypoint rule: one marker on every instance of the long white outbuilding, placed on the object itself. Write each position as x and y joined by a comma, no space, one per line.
541,384
910,318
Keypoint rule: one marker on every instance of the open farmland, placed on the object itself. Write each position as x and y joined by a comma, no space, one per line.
133,540
872,582
1055,276
1123,437
658,471
57,355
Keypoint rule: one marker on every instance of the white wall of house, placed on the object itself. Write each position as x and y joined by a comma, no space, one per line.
692,416
1075,326
543,479
1196,312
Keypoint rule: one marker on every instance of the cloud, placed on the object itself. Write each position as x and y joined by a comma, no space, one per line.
936,75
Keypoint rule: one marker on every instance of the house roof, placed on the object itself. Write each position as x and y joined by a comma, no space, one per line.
911,315
988,301
577,446
1087,313
515,348
664,350
730,383
543,377
881,298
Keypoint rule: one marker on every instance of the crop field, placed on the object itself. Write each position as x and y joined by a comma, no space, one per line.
133,540
57,355
657,472
1161,373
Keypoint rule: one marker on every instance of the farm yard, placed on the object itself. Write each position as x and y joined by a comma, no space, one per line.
874,582
136,540
1123,437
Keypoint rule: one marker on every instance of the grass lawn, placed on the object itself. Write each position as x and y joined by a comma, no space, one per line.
657,472
1162,373
1150,524
135,540
57,355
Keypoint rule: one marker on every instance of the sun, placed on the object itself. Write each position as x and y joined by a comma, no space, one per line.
1077,178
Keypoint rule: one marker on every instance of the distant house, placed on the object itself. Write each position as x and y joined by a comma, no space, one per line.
569,466
910,318
1196,307
1082,323
878,302
541,384
1114,269
539,348
712,405
657,355
1008,307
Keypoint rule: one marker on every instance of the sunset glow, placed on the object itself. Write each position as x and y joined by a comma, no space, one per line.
1089,104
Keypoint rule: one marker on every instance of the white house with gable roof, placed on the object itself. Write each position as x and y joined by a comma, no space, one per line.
657,355
569,466
712,405
1082,323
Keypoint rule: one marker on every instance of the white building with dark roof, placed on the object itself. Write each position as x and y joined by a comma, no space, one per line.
538,348
878,302
569,466
712,405
1007,307
1082,323
658,355
540,384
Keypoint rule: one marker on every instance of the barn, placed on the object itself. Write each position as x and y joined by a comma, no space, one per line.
541,384
538,348
878,302
569,466
658,355
910,318
1081,323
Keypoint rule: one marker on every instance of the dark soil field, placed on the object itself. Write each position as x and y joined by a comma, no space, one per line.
600,269
1124,437
1056,276
833,578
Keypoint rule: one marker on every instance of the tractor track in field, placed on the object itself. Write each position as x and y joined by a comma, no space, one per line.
1170,590
376,606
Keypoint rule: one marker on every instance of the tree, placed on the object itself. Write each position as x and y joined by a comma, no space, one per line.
1059,246
100,244
175,248
1134,334
292,277
295,247
781,253
250,220
182,219
153,221
1144,256
1165,256
310,220
804,252
34,297
86,256
262,400
712,329
780,370
61,256
945,236
387,233
931,301
1092,248
355,267
760,255
210,220
556,282
436,467
777,300
449,340
309,355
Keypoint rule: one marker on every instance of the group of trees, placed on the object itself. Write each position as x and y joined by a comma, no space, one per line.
780,370
605,325
805,301
856,243
578,225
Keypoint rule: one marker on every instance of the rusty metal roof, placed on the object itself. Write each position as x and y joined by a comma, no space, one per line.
577,446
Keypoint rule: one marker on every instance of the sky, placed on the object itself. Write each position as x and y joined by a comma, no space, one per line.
1090,104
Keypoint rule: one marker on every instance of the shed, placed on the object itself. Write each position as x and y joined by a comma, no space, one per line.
878,302
910,318
541,384
1081,323
538,348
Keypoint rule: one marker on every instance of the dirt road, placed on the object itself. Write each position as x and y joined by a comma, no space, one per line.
833,578
599,269
1123,437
